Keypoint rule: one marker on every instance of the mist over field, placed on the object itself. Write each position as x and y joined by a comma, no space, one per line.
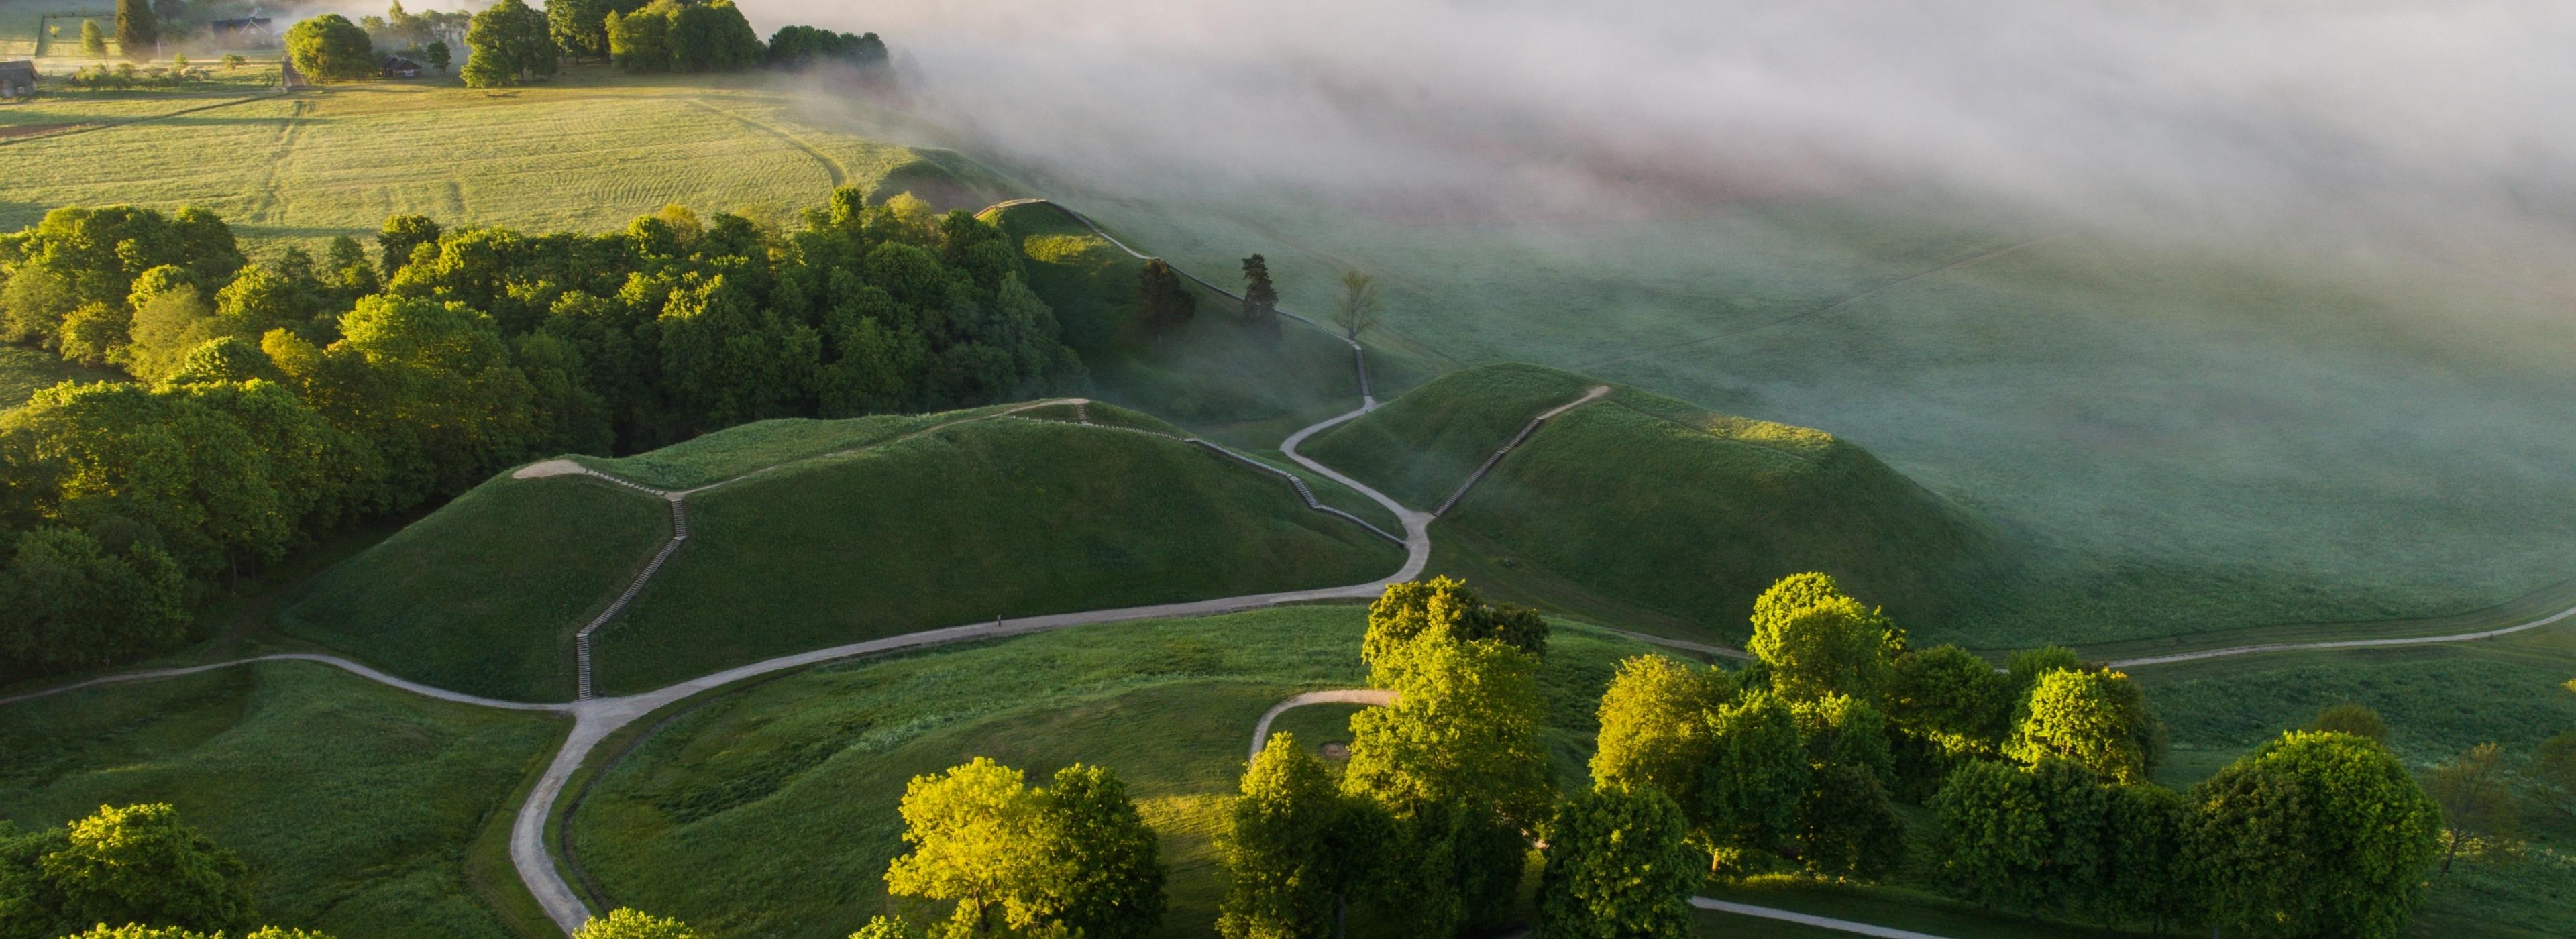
2440,119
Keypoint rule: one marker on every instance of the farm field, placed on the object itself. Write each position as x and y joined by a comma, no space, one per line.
361,810
789,787
2180,442
587,152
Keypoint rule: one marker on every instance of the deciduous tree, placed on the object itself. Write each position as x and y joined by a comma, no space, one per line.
2079,715
1845,827
2479,805
1457,762
1162,304
1619,866
1817,641
1409,609
329,48
508,44
971,831
2314,834
1103,875
140,864
1297,848
2349,718
1356,310
2553,772
1756,775
580,27
1654,721
626,923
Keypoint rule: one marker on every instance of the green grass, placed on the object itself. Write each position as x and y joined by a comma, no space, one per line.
483,596
771,812
1651,502
353,803
1004,517
2189,440
25,371
586,152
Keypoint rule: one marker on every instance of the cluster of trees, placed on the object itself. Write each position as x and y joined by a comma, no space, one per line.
512,43
803,46
277,401
671,36
138,865
330,48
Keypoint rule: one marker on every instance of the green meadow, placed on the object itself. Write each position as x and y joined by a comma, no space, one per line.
361,810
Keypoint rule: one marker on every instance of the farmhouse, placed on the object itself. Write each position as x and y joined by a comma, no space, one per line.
253,30
400,67
17,80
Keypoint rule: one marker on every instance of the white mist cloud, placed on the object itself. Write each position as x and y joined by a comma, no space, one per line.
2439,118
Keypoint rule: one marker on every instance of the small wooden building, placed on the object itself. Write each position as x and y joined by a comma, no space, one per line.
400,67
247,31
17,80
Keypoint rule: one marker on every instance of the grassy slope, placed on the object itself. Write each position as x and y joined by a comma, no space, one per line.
1652,502
25,371
1212,371
483,595
2198,440
353,803
789,788
1005,517
586,152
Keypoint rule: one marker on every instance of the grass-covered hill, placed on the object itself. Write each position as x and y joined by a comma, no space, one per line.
1007,517
362,810
829,532
1654,503
1212,370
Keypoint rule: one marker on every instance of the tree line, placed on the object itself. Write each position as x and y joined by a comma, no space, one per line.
2036,778
511,43
280,400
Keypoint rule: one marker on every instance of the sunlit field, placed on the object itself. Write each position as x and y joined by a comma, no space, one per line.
586,152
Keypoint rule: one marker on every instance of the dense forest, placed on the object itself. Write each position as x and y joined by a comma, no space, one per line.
279,400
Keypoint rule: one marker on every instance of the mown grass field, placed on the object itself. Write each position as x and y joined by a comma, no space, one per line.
362,810
771,812
483,596
1655,503
997,518
588,151
2192,440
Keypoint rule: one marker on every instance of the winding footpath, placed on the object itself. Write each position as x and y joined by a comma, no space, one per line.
596,718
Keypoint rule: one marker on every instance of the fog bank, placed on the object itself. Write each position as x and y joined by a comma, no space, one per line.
2431,119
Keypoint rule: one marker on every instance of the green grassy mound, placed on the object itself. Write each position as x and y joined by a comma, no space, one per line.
483,596
771,812
1213,369
362,810
1007,517
1653,503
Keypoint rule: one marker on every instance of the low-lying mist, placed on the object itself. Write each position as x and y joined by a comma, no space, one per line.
2406,121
